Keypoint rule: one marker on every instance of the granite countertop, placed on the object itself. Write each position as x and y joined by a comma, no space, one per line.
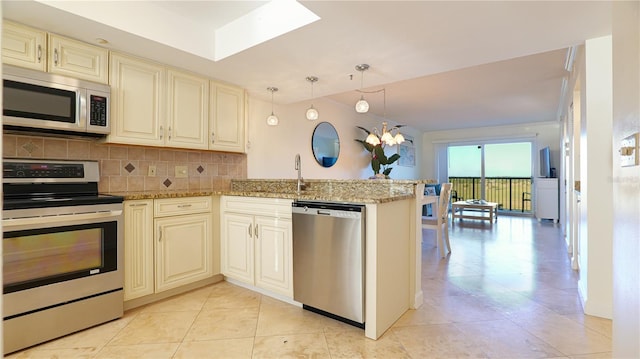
325,196
129,196
304,195
351,191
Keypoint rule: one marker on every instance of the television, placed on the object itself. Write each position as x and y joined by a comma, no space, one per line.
545,162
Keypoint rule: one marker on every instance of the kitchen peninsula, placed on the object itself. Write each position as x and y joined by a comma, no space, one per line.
392,231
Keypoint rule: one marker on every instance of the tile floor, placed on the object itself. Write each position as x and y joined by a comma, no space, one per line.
506,291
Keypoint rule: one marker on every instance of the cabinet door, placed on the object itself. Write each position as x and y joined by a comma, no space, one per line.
137,98
226,120
138,248
77,59
273,254
23,46
188,110
236,246
183,250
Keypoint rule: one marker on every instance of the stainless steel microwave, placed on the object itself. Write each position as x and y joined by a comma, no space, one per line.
41,102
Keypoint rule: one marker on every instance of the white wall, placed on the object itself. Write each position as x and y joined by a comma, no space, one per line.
272,149
626,181
596,206
544,134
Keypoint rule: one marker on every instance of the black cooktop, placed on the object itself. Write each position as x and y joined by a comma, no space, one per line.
59,201
42,183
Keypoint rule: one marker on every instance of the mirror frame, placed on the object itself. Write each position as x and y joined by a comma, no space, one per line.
323,161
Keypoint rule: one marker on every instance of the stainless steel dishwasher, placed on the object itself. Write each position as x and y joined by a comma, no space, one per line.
329,259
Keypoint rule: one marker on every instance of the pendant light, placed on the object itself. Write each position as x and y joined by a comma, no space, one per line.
386,137
362,106
272,120
312,113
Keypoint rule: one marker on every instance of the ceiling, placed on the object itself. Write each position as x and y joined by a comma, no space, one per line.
443,64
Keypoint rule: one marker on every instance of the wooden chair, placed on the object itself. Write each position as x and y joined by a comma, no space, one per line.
440,222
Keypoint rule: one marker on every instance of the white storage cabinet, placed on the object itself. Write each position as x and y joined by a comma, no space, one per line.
256,242
546,191
168,244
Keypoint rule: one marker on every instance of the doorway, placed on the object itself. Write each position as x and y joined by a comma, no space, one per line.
496,172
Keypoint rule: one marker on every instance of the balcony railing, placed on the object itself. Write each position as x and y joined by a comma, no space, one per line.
511,193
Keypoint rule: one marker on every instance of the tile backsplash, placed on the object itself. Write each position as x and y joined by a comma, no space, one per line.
125,168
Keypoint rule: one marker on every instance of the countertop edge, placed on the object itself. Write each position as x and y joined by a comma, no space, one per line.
309,196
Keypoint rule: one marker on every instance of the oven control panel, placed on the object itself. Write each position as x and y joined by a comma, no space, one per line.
43,170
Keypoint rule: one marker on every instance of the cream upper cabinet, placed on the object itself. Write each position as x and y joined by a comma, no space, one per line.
155,106
138,249
77,59
137,101
227,118
187,110
24,46
35,49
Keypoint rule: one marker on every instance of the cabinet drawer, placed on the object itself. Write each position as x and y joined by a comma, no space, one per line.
273,207
179,206
547,183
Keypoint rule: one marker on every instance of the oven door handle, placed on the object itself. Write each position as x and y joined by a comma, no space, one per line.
39,221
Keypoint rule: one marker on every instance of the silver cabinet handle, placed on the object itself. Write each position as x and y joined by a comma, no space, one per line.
138,205
184,205
169,133
161,132
39,53
256,230
213,137
55,57
160,236
250,233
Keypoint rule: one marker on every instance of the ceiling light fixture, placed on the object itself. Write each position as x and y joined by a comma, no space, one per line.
375,138
362,106
272,120
312,113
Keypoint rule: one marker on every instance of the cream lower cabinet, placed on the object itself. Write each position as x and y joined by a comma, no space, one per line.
138,249
168,243
256,242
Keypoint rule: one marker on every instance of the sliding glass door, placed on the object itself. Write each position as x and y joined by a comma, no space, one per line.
495,172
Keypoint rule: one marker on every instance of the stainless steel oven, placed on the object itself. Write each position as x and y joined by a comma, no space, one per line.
62,251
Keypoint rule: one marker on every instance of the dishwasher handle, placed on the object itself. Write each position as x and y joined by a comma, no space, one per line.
341,210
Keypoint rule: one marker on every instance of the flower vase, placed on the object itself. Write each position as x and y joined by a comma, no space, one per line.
378,176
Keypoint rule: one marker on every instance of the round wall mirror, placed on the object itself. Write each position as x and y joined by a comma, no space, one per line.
325,144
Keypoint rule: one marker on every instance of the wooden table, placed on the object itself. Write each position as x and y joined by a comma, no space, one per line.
478,207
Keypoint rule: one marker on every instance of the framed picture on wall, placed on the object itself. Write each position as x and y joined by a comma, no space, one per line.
407,154
430,191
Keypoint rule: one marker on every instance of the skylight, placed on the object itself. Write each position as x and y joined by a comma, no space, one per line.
184,25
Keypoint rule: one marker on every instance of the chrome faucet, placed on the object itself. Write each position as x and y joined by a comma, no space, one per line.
301,184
